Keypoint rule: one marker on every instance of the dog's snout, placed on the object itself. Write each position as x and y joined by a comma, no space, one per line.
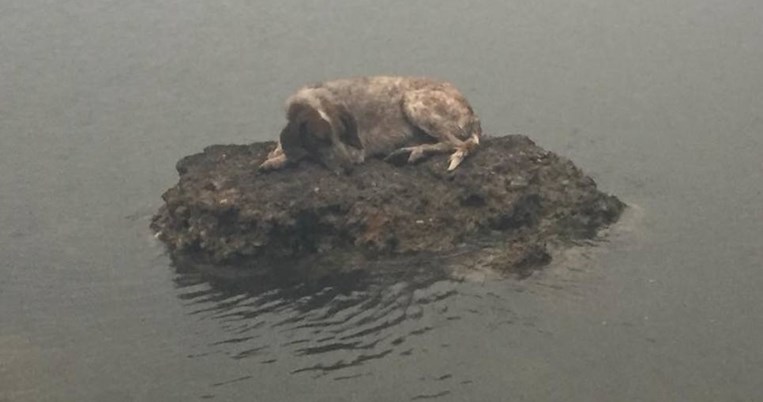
335,158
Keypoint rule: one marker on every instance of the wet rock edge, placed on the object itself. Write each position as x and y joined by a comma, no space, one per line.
500,211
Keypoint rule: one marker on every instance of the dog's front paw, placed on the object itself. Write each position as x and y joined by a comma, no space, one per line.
278,162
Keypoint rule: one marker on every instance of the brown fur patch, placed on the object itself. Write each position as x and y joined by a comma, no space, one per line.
378,116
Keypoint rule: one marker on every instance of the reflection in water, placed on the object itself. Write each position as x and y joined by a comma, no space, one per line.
330,322
356,324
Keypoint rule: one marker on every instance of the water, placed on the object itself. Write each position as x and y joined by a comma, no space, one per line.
659,101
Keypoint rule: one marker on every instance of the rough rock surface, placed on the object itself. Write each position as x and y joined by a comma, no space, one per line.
499,210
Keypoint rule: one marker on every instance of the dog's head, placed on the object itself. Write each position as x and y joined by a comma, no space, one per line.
325,132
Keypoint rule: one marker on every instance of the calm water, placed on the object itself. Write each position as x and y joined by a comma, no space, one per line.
660,101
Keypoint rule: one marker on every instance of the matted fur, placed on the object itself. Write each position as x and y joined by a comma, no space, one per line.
340,123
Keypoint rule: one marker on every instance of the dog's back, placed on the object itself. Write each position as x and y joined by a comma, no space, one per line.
376,103
339,123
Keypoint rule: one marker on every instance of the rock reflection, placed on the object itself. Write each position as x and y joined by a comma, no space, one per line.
321,320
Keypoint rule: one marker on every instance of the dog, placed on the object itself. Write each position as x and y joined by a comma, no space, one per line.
342,122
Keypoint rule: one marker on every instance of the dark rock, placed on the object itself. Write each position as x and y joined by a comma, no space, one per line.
498,210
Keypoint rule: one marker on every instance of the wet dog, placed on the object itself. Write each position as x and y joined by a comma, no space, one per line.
340,123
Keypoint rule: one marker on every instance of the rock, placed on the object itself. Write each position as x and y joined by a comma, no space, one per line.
499,210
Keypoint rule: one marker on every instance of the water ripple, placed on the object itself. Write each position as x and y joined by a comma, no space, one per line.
324,322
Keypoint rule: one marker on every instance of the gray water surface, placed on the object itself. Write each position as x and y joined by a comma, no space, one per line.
661,102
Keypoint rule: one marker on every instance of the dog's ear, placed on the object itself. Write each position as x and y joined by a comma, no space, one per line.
349,132
306,134
291,140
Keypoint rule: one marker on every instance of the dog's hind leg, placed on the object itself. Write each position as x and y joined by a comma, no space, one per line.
462,150
442,114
